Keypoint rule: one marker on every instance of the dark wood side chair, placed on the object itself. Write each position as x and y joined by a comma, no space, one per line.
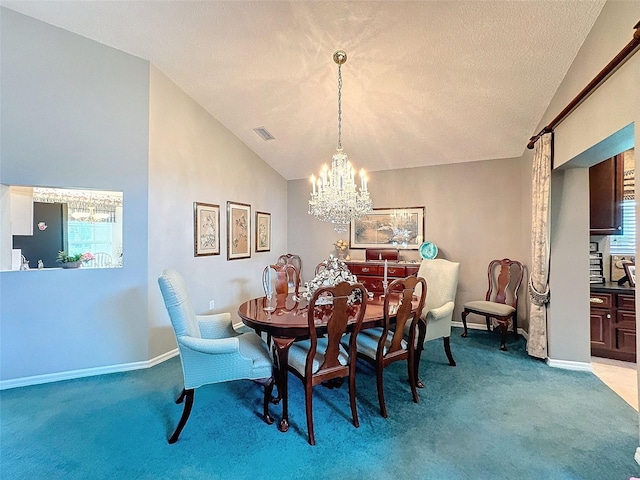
323,358
291,259
320,267
501,300
284,279
385,345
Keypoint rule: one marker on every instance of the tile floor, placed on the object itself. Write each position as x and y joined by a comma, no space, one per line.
621,377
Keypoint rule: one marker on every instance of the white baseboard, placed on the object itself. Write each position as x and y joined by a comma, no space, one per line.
483,326
564,364
570,365
637,455
88,372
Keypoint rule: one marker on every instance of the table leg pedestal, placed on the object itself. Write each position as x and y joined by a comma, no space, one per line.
281,363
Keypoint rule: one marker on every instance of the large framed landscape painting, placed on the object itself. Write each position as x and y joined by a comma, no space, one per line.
389,227
206,226
238,230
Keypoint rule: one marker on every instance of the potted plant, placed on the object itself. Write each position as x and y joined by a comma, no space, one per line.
73,261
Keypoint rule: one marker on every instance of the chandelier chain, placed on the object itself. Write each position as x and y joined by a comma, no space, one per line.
339,106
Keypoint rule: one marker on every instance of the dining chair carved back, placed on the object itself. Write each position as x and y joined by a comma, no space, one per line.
320,267
501,299
277,278
210,349
291,259
387,344
324,358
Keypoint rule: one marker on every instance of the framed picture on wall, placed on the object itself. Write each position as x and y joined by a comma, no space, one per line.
263,232
390,228
630,270
206,229
238,230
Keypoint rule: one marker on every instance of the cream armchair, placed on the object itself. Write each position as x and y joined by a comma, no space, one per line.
442,282
210,350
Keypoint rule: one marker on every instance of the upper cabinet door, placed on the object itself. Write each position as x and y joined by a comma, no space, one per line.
606,184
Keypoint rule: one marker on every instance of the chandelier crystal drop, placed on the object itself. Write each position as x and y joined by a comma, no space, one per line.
335,197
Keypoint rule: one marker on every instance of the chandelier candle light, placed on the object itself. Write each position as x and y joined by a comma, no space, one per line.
335,197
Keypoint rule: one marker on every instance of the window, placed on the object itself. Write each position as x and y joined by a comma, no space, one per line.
625,244
90,237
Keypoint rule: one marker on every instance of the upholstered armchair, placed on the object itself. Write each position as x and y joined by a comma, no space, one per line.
442,282
211,351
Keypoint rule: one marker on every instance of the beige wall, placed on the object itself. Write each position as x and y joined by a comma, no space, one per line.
594,131
473,214
192,157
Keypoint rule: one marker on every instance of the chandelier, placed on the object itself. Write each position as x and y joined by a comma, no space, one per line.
83,205
335,197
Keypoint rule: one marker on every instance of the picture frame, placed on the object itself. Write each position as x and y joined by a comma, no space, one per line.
399,228
238,230
630,270
263,232
206,229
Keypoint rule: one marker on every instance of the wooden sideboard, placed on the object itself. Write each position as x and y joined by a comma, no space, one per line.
371,273
613,322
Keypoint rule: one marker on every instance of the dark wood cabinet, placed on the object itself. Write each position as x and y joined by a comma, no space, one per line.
371,274
606,187
613,324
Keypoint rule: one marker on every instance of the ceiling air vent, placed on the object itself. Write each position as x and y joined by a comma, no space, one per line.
264,134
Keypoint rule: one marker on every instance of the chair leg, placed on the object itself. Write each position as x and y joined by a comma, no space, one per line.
464,323
515,324
352,399
383,406
412,378
488,319
308,394
268,390
447,350
416,365
503,335
188,395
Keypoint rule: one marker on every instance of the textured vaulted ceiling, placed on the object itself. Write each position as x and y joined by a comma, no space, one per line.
425,83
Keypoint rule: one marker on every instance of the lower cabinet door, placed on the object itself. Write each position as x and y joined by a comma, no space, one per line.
600,329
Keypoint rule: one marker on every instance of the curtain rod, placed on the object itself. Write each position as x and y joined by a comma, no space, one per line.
625,54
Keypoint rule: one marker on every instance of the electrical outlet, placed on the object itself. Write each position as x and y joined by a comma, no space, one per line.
212,304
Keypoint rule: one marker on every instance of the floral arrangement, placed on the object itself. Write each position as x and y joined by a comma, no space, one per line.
334,272
64,257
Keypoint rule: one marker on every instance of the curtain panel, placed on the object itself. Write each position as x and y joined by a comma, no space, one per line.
539,275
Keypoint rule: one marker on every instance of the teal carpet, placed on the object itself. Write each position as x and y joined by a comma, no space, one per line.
497,415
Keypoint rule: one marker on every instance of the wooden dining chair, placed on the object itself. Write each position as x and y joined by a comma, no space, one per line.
320,267
387,344
322,357
291,259
277,277
501,299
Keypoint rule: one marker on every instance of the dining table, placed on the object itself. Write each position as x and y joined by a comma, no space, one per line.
288,322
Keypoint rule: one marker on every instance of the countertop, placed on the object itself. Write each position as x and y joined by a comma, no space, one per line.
612,287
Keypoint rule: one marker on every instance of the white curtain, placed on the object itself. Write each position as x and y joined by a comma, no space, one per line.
539,275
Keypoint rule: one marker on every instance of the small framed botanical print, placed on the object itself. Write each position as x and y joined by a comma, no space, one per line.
263,232
238,230
206,228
